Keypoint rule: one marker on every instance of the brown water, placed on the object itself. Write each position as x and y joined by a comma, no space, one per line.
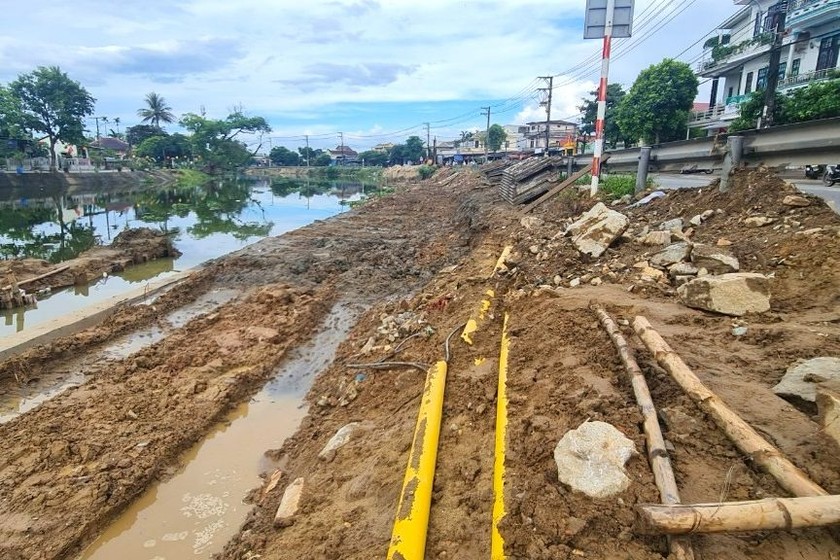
193,514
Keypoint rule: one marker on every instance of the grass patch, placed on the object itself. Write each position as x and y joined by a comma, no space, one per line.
614,186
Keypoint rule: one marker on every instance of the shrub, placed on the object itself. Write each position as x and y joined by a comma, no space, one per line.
426,171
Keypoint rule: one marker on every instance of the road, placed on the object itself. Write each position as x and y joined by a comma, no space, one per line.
675,181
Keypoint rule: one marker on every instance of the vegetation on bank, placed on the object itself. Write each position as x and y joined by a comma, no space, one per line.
820,100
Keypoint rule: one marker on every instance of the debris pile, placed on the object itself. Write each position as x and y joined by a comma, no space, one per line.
529,178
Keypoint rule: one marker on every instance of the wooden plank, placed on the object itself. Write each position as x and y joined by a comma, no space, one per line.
562,186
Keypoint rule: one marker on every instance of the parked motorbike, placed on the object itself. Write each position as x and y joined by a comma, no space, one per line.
814,171
832,175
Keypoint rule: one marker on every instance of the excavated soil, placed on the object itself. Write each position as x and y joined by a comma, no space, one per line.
423,259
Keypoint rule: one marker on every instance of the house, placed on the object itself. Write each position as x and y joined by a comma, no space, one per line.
343,154
737,59
109,143
384,148
561,136
515,137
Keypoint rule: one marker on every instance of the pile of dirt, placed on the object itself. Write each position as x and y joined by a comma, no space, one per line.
423,260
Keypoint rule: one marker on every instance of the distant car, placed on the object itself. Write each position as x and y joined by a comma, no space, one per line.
815,171
695,169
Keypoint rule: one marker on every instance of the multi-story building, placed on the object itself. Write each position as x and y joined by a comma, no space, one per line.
561,135
737,58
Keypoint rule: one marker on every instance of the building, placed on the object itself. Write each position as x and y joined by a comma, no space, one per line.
111,144
515,137
737,59
343,154
384,148
561,136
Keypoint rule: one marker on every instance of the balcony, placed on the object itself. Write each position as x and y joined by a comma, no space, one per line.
809,78
810,13
727,57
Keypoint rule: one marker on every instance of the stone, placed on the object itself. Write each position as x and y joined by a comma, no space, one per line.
534,249
558,279
758,221
262,333
574,282
289,504
673,253
596,281
739,331
591,459
708,214
714,259
682,269
530,222
803,379
656,238
696,220
595,230
811,231
652,274
723,242
672,225
828,405
730,294
796,201
339,439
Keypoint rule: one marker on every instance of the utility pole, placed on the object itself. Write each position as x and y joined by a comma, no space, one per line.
428,144
307,149
341,152
779,15
434,151
602,98
486,110
547,105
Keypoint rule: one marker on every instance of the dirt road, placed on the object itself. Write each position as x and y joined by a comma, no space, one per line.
422,259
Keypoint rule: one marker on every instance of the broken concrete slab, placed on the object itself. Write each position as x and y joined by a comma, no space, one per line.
682,269
591,459
289,504
714,259
803,379
595,230
730,294
339,439
659,237
673,253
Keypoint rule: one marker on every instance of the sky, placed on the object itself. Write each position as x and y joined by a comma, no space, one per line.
375,70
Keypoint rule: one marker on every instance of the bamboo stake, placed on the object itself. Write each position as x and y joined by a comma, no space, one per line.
745,438
660,463
39,277
758,515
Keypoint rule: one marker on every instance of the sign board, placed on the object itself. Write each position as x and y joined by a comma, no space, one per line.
596,19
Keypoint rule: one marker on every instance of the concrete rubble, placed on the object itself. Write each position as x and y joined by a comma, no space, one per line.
595,230
802,380
733,294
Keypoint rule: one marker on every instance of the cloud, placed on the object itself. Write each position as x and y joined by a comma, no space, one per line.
355,75
168,60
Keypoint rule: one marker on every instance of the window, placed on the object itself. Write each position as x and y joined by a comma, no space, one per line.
829,48
730,93
761,80
782,68
757,27
748,85
794,69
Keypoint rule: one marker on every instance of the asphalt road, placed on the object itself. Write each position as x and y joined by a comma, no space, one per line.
675,181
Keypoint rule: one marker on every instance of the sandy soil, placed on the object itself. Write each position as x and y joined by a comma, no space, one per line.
422,259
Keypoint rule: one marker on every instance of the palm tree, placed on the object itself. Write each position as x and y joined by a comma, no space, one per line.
157,110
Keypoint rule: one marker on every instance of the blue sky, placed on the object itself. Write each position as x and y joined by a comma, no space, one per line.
374,69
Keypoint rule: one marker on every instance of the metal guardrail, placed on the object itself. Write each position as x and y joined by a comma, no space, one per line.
781,146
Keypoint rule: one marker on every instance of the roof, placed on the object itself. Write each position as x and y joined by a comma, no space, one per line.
344,151
552,122
111,143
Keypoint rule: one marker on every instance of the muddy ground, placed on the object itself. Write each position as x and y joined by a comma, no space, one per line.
422,259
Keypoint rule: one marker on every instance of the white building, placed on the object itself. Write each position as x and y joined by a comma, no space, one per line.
737,59
562,135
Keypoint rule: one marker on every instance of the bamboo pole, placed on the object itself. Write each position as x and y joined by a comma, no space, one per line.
660,463
39,277
745,438
758,515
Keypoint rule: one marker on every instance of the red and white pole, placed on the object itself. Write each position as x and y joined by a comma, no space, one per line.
602,99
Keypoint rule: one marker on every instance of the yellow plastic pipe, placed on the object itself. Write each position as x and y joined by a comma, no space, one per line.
497,543
408,538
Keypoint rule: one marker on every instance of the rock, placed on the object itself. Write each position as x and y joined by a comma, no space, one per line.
591,459
714,259
731,294
707,214
672,225
803,379
758,221
723,242
558,279
739,331
656,238
596,281
810,231
530,222
696,220
641,264
673,253
828,404
574,282
682,269
681,279
262,333
339,439
652,274
289,504
534,249
796,201
596,229
574,526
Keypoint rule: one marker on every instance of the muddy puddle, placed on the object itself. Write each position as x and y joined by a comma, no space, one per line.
194,513
15,401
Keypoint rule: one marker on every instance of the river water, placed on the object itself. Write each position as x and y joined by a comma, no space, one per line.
205,222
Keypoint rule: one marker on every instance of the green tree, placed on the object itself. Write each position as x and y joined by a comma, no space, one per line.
657,105
215,140
162,148
414,149
819,100
374,157
156,110
53,105
398,155
307,152
496,136
135,135
321,160
12,137
280,155
612,134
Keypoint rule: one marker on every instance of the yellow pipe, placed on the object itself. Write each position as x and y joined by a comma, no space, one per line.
477,317
408,538
497,543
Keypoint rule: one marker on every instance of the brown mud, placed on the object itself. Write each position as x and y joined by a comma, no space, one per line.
422,259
